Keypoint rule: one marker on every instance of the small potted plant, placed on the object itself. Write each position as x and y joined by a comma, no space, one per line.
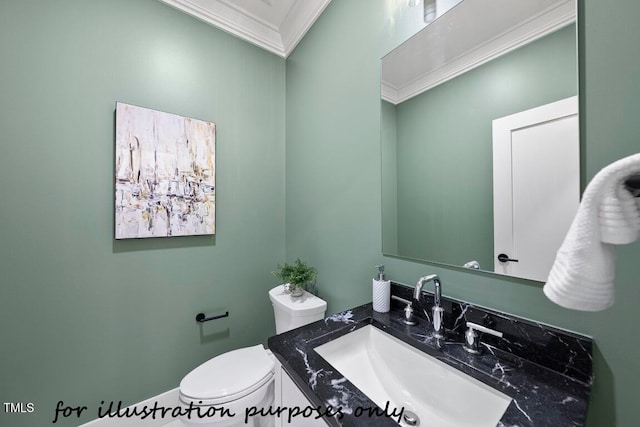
297,276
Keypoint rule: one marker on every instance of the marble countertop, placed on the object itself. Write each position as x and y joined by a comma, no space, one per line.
541,396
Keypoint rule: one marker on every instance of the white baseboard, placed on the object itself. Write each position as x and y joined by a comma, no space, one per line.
168,399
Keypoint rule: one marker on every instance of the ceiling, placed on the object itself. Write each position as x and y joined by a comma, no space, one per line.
466,36
274,25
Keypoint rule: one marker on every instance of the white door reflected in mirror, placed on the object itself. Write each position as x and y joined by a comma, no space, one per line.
536,186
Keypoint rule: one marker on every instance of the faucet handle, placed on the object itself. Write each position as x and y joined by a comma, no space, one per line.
408,310
471,339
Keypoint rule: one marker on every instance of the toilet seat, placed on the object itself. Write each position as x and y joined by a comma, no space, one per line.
227,377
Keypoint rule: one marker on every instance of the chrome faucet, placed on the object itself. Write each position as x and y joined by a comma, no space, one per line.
437,310
471,339
408,310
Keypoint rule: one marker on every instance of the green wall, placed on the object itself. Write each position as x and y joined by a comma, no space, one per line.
445,151
388,139
333,177
84,318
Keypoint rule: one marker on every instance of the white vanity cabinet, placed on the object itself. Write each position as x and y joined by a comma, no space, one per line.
288,395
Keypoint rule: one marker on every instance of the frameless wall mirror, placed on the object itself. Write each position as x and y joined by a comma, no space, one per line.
479,132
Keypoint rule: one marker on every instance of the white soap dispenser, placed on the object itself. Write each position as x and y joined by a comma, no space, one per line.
381,292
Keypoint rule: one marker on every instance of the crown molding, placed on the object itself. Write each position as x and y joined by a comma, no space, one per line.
280,40
533,29
302,15
389,93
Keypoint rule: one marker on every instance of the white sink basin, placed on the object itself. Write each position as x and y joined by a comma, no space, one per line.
389,370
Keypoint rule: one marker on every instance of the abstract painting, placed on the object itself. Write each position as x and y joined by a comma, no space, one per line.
164,174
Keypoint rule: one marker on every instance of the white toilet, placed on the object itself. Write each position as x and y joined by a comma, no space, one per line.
244,378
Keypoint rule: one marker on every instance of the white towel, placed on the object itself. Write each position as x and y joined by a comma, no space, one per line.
583,272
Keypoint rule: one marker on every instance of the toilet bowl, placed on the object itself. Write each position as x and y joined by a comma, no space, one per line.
220,391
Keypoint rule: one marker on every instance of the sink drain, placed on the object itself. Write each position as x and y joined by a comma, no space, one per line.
411,418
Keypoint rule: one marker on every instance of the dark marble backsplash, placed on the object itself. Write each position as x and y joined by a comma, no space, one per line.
562,351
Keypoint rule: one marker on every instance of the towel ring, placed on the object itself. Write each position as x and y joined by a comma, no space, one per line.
633,184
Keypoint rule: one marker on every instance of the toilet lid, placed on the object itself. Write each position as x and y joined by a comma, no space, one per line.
229,376
307,305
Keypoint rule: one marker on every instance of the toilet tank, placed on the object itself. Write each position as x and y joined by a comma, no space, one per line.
291,313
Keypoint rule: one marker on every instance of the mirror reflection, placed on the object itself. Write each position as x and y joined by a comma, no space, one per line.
479,131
